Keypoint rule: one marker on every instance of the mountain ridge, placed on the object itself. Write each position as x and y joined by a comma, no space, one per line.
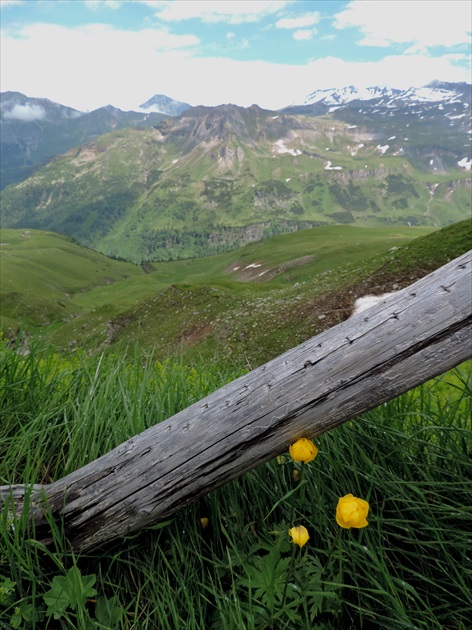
26,145
216,177
193,185
438,91
35,130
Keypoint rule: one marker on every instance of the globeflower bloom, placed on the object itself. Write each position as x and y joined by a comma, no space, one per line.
352,512
303,451
299,535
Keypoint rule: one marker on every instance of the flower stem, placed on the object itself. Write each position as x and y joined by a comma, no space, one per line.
289,575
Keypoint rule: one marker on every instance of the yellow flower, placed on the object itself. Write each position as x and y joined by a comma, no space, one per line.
303,451
299,535
296,475
204,522
352,512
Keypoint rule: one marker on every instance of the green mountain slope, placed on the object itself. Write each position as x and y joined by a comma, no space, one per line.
216,178
34,130
41,272
310,282
249,304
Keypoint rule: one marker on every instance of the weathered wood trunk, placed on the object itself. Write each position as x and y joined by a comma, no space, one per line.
412,336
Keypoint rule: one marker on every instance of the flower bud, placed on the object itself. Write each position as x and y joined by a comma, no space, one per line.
299,535
303,451
352,512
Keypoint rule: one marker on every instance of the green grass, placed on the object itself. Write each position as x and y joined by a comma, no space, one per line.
41,272
409,458
65,291
75,298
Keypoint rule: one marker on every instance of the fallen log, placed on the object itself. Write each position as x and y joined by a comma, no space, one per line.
410,337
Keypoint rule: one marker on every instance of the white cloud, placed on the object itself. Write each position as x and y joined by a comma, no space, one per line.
229,11
457,57
26,113
153,4
300,22
303,34
433,23
90,66
416,49
98,65
244,44
109,4
397,71
10,3
375,41
237,43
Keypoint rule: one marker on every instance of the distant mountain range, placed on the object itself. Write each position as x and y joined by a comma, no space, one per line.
213,178
436,92
34,130
437,115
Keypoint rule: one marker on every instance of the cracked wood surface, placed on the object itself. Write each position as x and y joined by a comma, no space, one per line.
410,337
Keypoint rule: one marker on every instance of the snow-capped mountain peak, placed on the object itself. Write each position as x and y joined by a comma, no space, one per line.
162,104
341,96
435,92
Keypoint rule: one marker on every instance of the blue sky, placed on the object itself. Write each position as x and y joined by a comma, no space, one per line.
90,53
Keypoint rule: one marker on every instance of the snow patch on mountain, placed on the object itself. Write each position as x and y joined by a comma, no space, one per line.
281,148
329,167
363,303
465,163
426,94
345,95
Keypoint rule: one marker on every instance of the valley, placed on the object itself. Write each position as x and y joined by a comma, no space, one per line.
227,231
246,305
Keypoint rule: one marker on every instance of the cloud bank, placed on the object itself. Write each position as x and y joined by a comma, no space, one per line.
423,24
189,52
25,113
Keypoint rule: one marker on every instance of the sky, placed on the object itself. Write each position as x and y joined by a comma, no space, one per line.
90,53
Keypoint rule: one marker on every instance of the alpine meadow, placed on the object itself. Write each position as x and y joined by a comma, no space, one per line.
151,259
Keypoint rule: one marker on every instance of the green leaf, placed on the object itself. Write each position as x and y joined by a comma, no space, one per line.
69,591
15,619
57,599
6,589
109,612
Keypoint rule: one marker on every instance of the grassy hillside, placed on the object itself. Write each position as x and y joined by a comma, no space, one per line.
216,178
308,286
249,304
227,560
41,272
